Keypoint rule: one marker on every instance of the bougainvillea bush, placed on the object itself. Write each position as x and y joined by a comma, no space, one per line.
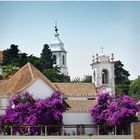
23,109
114,110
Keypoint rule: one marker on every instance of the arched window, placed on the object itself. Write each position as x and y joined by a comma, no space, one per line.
63,57
94,75
105,76
54,59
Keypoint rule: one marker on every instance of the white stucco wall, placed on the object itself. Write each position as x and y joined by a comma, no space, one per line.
39,89
59,61
78,118
98,67
4,100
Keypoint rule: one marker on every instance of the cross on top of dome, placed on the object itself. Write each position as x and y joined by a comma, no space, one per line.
102,49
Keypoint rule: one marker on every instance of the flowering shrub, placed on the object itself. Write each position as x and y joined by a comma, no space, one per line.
114,110
23,109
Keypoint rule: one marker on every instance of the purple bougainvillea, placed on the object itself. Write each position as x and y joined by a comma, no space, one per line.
23,109
114,110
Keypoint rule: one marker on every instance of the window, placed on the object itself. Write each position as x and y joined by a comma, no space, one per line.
94,76
65,98
4,103
63,60
91,98
54,59
104,76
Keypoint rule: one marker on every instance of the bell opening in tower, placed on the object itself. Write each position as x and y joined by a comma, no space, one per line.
54,59
63,60
105,76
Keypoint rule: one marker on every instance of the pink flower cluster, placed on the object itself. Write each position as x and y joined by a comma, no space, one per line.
23,109
115,110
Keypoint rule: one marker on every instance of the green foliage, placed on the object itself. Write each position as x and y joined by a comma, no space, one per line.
46,58
55,75
10,68
13,57
134,88
8,71
36,61
76,80
85,79
22,59
10,55
121,75
121,78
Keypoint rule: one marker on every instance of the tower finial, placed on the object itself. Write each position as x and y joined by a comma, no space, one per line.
56,29
102,49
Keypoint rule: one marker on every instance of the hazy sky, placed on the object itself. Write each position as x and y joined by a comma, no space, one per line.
83,26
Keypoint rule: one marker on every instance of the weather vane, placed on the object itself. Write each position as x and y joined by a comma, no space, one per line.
56,29
102,49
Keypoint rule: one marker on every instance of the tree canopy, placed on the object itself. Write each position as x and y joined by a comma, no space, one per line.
56,76
46,58
85,79
23,109
134,88
13,57
8,71
121,78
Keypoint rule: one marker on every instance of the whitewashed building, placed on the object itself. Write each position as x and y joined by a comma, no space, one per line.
28,78
79,97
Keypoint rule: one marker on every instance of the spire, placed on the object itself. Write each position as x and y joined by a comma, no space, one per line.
56,32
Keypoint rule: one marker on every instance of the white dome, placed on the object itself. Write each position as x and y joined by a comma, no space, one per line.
57,47
57,44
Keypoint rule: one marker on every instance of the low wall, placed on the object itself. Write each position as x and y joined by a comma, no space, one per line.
70,137
136,130
135,134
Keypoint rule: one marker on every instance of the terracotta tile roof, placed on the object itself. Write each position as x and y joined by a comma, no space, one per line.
22,79
1,55
77,89
80,105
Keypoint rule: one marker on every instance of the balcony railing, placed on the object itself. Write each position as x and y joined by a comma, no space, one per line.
76,129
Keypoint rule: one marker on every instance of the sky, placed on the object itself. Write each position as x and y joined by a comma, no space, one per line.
84,28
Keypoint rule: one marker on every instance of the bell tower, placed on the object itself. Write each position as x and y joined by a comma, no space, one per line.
59,53
103,73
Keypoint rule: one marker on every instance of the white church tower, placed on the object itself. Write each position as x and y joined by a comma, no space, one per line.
59,53
103,73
